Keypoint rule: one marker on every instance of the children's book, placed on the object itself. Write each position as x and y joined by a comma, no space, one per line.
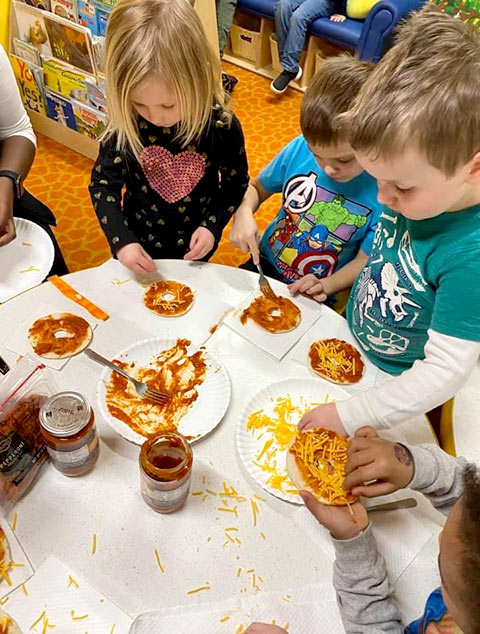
30,83
89,121
26,51
70,43
31,27
66,80
103,13
65,9
107,3
39,4
99,52
96,96
59,109
87,15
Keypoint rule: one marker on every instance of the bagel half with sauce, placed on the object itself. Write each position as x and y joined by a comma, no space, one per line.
168,298
59,336
316,461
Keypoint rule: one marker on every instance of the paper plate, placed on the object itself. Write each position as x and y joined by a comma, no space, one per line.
307,393
32,252
206,412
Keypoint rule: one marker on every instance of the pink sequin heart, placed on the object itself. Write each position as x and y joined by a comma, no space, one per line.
172,176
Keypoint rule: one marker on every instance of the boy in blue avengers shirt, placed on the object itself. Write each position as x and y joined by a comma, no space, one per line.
323,234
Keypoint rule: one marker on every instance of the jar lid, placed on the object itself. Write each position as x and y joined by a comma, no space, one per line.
65,414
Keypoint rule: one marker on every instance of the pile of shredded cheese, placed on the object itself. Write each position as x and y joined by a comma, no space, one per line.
336,360
321,456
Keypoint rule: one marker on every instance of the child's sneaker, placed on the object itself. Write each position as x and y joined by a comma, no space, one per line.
228,82
280,84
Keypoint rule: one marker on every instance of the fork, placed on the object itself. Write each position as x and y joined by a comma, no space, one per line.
265,287
142,389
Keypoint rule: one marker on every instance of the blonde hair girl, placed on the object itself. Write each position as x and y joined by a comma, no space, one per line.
170,142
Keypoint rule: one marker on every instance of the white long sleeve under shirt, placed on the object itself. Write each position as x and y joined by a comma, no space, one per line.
429,382
14,119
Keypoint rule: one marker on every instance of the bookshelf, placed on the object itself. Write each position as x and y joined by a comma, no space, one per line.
79,142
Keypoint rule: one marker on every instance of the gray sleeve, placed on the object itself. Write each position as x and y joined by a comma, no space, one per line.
437,475
362,586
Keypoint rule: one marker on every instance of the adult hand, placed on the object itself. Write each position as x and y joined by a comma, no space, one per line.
341,523
309,285
386,465
244,232
263,628
7,225
135,258
325,416
201,243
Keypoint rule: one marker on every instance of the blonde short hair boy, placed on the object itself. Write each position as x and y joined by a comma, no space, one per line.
159,38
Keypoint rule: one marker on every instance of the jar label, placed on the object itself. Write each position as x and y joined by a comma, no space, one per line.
159,499
70,458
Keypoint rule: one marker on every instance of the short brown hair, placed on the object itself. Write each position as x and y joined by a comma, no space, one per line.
330,93
425,90
470,538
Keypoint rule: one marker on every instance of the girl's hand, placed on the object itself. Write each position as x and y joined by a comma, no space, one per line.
310,285
201,243
338,17
244,232
337,519
263,628
325,416
135,258
386,465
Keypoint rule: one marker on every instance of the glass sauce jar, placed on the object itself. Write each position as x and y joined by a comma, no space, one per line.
165,471
68,429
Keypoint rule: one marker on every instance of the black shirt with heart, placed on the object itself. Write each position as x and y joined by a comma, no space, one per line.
161,200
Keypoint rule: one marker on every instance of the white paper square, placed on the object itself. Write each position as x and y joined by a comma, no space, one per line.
19,342
51,590
17,575
275,344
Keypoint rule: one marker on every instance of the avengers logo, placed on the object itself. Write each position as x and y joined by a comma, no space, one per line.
299,193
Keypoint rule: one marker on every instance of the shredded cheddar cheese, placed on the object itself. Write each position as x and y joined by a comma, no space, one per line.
336,360
78,618
72,582
14,522
159,563
199,589
94,543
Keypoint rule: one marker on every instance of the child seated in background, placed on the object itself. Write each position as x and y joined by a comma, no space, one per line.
360,575
415,308
292,19
323,233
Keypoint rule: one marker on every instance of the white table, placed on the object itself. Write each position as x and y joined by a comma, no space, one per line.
60,515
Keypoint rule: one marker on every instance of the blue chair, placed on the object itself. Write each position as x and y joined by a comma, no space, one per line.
369,37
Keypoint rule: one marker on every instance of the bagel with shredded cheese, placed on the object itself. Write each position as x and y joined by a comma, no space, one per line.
59,336
336,360
316,462
274,315
8,625
168,298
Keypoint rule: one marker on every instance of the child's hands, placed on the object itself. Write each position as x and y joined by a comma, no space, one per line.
338,17
325,416
263,628
338,519
389,464
310,285
201,243
135,258
244,232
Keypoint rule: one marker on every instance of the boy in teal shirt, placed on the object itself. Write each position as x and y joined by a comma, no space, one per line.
415,308
322,235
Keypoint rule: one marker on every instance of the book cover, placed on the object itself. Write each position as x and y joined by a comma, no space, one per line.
26,51
59,109
40,4
69,42
98,44
87,15
31,27
89,121
107,3
30,84
68,81
65,9
96,97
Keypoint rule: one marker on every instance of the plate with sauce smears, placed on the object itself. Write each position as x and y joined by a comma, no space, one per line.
196,381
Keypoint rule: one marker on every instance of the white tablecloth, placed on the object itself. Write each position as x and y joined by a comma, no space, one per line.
59,516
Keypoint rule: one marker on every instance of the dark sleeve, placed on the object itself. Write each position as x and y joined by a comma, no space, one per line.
108,179
340,7
233,176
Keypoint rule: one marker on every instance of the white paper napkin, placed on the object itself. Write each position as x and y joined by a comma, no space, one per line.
328,329
287,610
125,296
400,536
69,603
17,575
19,342
275,344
